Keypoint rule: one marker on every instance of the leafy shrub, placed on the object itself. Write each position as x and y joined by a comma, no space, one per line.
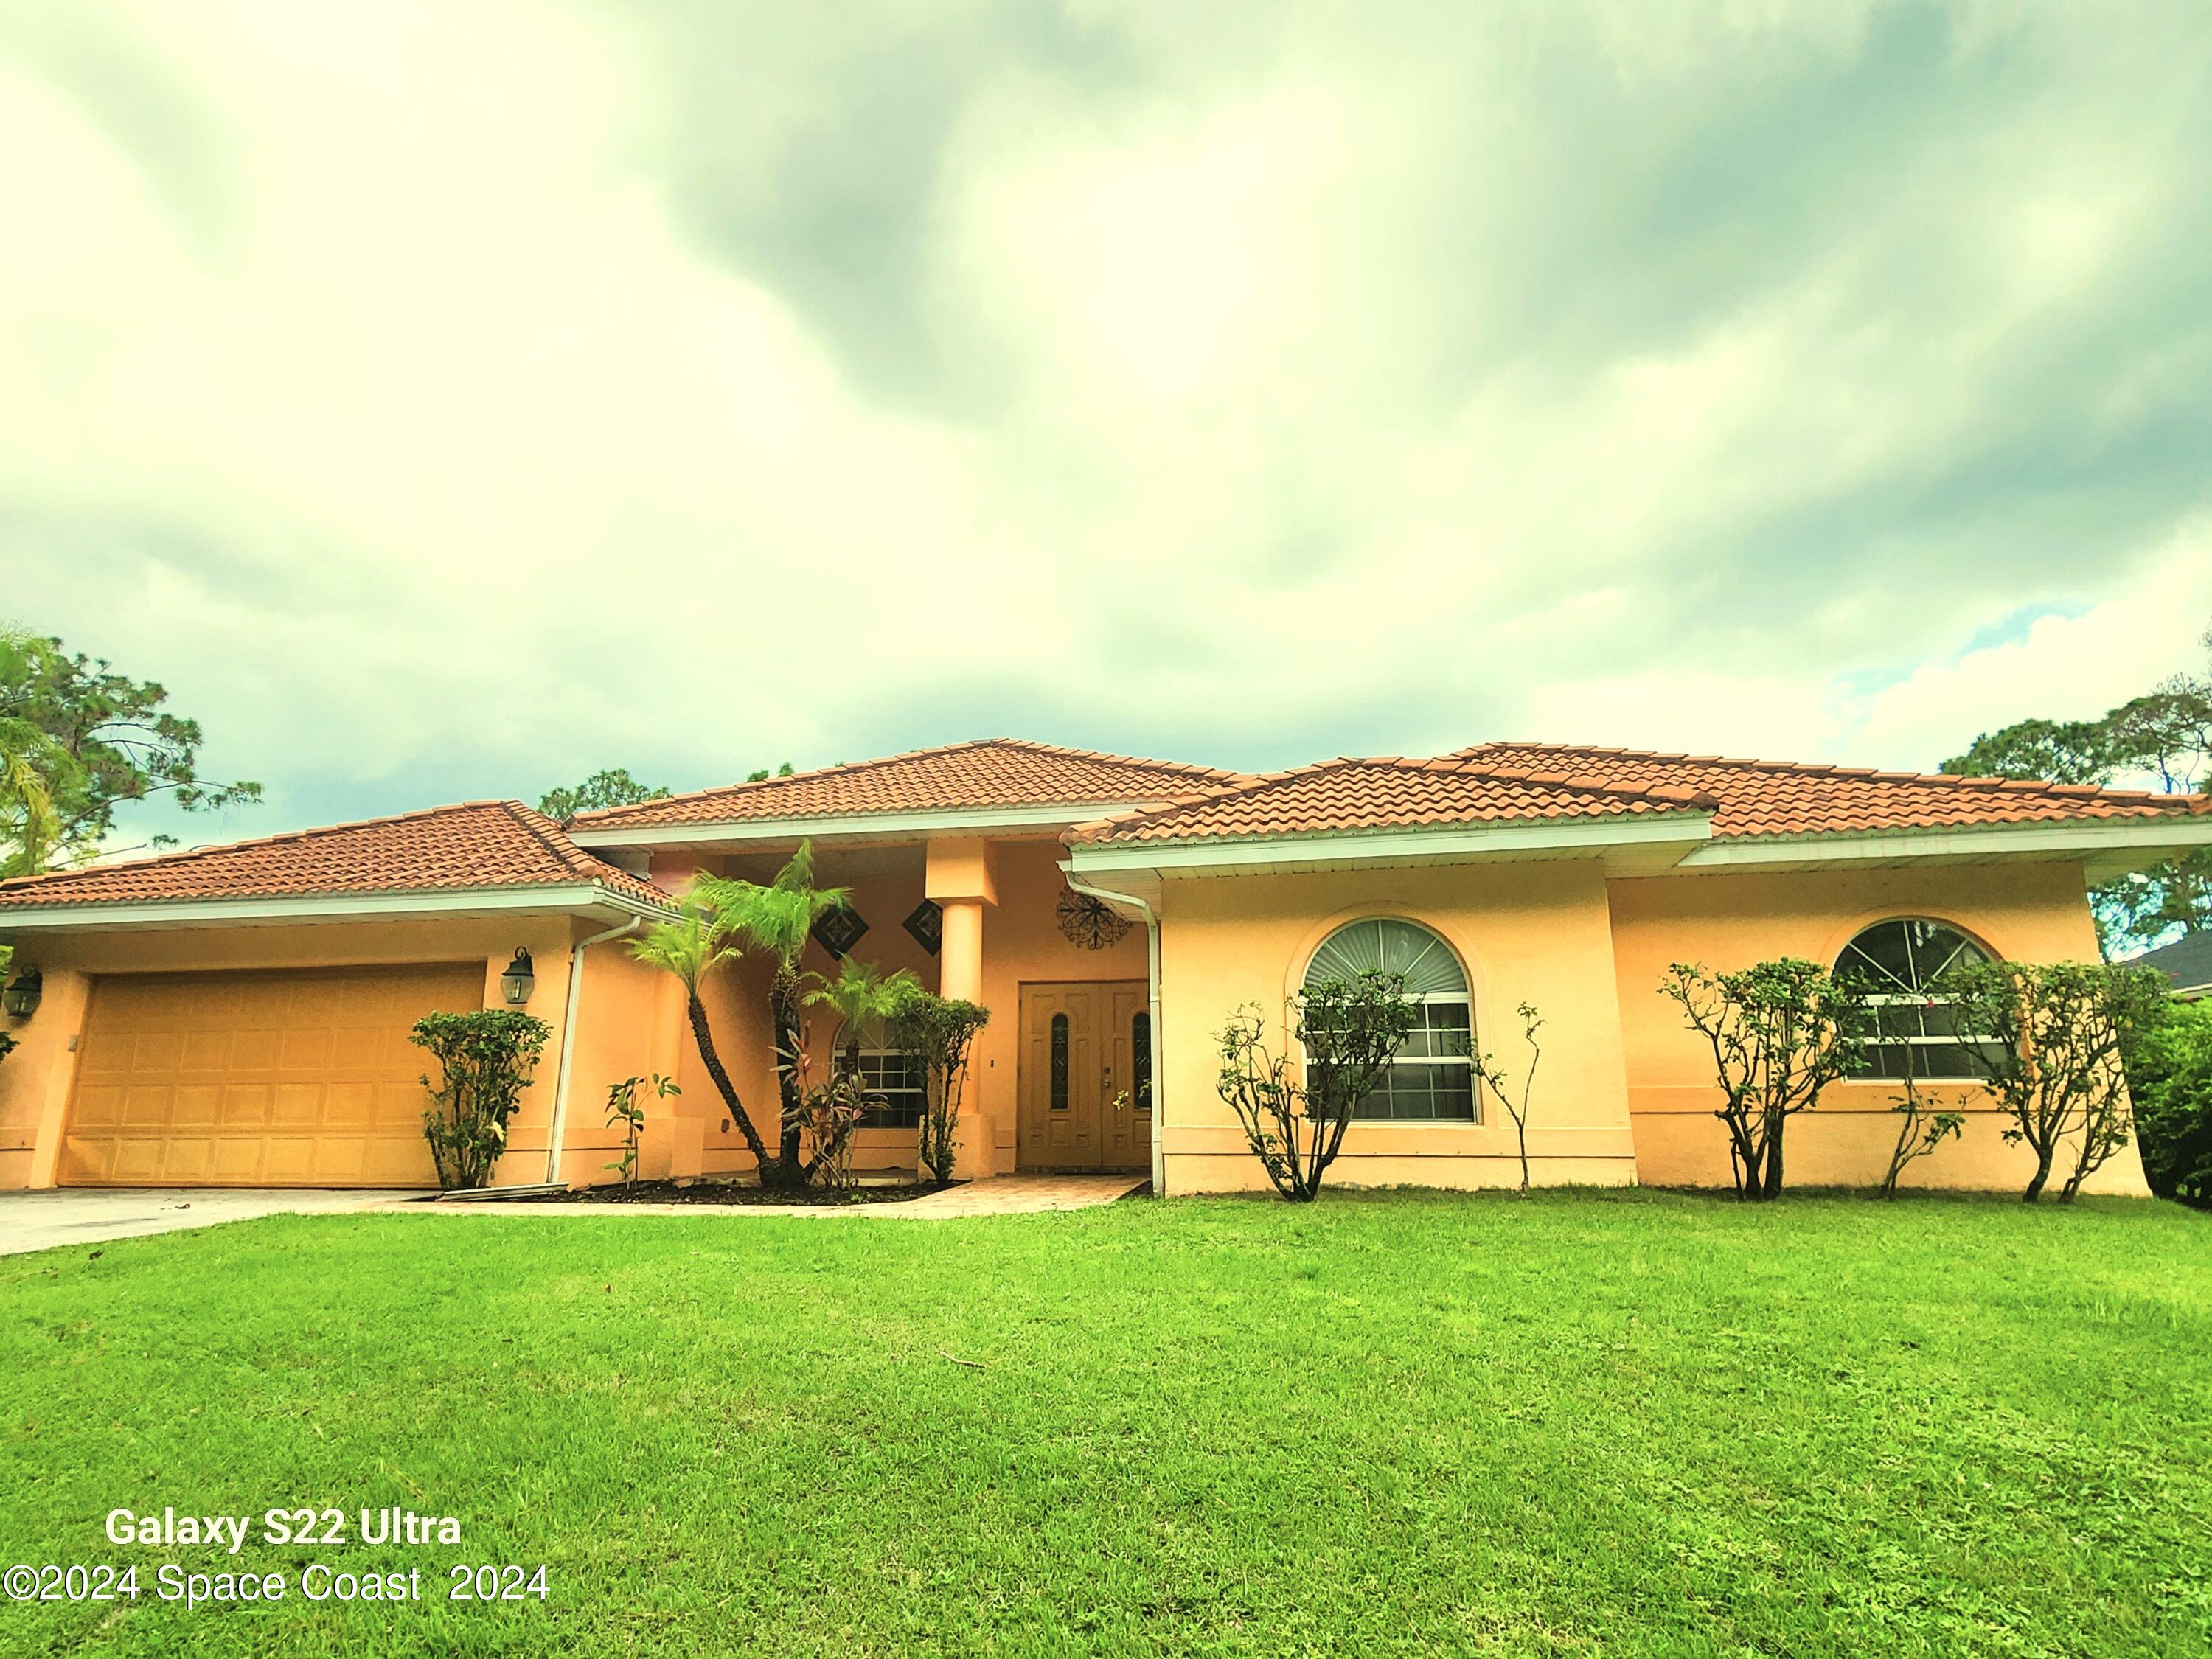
1349,1030
2046,1038
939,1032
1780,1033
2169,1065
486,1058
829,1112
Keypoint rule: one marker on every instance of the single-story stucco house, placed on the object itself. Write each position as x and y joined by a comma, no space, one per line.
239,1015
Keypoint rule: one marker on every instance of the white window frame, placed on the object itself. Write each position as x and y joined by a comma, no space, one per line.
919,1093
1913,999
1464,997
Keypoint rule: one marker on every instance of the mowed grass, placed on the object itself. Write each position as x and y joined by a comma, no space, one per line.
1630,1424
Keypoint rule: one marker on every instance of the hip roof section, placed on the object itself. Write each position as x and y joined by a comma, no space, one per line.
478,845
990,772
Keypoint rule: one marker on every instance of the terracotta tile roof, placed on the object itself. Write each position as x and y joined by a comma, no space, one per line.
1503,781
486,844
1390,792
1786,797
988,772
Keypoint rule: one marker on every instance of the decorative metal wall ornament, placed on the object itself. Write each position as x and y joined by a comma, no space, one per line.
839,930
927,926
1088,923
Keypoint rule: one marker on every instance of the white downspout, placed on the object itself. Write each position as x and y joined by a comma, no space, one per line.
569,1041
1152,1002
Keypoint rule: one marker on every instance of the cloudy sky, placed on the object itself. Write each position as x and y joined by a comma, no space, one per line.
448,399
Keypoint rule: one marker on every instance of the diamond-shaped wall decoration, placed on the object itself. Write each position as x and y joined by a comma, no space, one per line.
926,924
838,931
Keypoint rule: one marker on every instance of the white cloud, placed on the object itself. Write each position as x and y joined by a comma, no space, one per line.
503,392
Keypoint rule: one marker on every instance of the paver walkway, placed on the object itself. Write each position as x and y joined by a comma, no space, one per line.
1012,1194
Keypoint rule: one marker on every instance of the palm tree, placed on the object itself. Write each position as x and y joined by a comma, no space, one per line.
690,947
860,995
775,920
31,832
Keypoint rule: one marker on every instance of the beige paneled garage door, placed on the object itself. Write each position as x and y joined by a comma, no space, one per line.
269,1080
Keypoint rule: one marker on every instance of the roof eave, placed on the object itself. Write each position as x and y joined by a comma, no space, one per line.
575,898
1042,819
1623,841
2105,847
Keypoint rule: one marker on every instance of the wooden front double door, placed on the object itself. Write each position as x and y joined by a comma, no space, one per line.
1086,1077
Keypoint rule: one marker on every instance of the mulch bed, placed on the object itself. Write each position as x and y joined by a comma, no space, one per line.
723,1194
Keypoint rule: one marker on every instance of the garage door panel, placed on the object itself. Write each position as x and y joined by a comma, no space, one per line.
357,1050
146,1106
304,1051
197,1106
399,1108
288,1160
207,1051
349,1106
247,1106
105,1053
137,1163
187,1159
94,1155
281,1078
236,1163
297,1106
99,1106
341,1161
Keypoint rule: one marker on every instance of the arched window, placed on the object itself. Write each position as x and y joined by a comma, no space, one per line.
1900,962
1431,1077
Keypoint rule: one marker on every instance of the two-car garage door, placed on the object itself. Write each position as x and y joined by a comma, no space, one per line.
296,1079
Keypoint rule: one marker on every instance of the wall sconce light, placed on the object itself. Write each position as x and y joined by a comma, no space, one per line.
519,981
20,999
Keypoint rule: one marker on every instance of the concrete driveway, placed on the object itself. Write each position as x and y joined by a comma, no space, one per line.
88,1215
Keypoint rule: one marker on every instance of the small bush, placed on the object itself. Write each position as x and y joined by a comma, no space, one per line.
939,1032
486,1058
2169,1066
1780,1032
1295,1125
2047,1038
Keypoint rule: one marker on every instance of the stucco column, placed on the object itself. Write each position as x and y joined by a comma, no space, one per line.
960,949
960,976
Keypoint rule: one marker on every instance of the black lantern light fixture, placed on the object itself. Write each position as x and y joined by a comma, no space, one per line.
519,981
20,999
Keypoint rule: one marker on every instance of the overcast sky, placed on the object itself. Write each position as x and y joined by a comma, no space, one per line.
446,400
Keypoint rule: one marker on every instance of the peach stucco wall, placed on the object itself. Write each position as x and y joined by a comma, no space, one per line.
36,1079
2036,912
1538,932
1623,1093
1022,944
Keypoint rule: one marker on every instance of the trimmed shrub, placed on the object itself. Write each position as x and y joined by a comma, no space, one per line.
2046,1038
486,1058
1780,1032
939,1032
1348,1031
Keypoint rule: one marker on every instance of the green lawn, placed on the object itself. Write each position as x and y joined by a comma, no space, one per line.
1628,1425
